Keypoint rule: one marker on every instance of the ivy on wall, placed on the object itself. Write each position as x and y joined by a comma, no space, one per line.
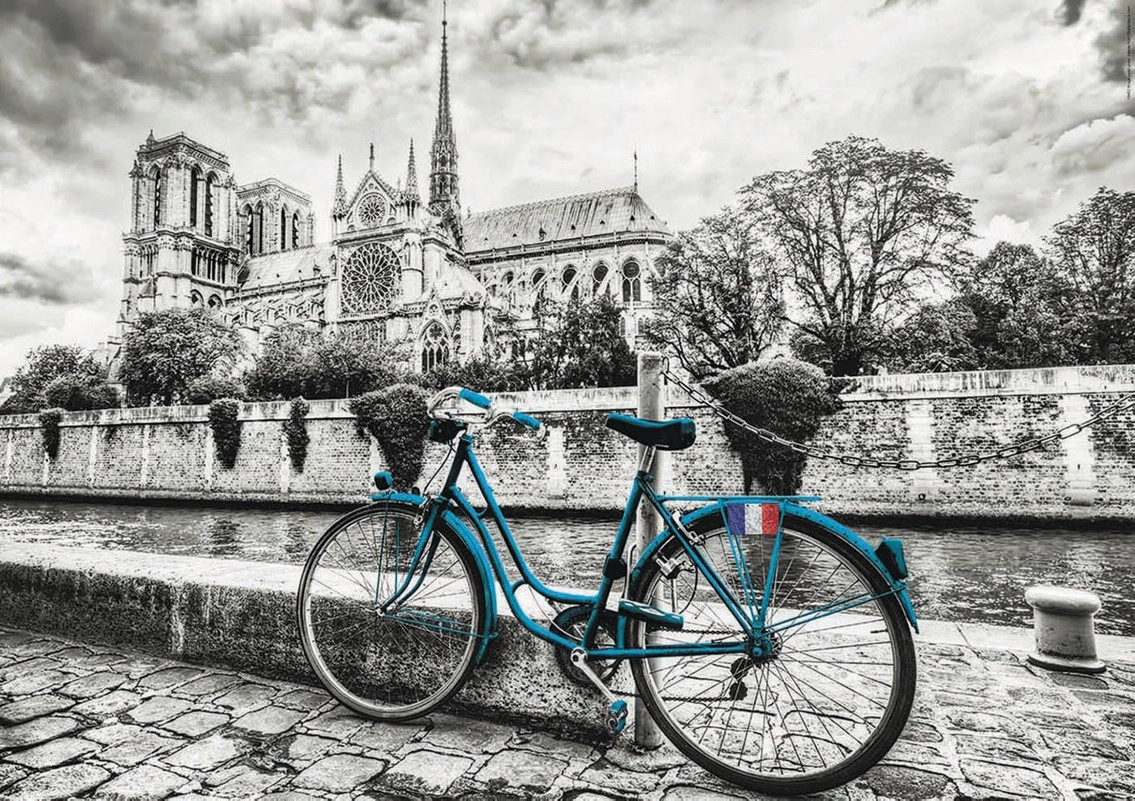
295,429
396,417
224,421
50,419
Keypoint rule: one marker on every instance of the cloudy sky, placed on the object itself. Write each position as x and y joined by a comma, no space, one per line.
1028,99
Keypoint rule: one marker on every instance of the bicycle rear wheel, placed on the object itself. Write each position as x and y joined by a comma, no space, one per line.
390,636
831,694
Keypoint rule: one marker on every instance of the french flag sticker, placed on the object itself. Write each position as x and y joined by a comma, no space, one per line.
753,518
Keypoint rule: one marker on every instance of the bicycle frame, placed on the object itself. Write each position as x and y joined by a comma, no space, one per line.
749,613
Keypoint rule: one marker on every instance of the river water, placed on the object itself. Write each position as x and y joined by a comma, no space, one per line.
958,573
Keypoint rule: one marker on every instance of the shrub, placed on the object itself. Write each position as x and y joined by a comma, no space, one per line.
80,392
209,388
785,396
396,417
224,421
50,419
295,429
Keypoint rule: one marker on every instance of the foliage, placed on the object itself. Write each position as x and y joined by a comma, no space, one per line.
168,350
938,338
224,414
208,388
49,419
396,417
295,429
482,372
784,396
42,365
579,345
80,392
1095,248
864,233
718,297
298,362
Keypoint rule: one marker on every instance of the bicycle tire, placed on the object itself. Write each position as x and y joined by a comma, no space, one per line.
410,659
820,722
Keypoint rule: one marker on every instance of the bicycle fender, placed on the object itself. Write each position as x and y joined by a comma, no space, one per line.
840,530
488,583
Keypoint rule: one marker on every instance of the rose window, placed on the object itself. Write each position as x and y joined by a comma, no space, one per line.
371,211
369,279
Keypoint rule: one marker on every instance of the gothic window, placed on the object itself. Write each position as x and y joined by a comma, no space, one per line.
506,290
258,229
295,230
214,302
369,279
195,298
210,187
195,262
598,276
249,219
371,210
157,178
632,282
569,284
435,348
284,239
194,194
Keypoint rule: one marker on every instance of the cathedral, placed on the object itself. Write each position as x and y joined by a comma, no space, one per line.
399,267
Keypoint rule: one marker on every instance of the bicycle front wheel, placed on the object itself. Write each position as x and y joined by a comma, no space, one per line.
391,629
817,698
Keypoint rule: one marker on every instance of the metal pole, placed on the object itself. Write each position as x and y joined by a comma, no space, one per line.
651,406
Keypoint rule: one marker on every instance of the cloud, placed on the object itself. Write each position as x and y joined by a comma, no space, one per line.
1070,11
51,283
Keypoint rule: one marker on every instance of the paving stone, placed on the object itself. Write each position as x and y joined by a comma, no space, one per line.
207,685
241,781
1097,698
72,653
917,754
528,773
207,754
995,747
427,772
921,732
168,677
139,748
32,706
1110,776
1022,781
137,666
341,772
159,709
386,737
1078,742
64,782
53,753
270,720
908,784
93,685
143,783
10,774
34,682
196,723
23,666
983,721
686,792
541,742
611,777
35,647
246,697
304,747
338,722
307,700
110,704
36,731
290,795
99,660
466,734
1079,680
112,732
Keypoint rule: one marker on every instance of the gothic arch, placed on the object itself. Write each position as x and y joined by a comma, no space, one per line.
156,194
210,201
284,218
599,273
194,196
632,281
434,345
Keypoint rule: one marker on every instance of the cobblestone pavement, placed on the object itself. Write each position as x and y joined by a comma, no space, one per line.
90,721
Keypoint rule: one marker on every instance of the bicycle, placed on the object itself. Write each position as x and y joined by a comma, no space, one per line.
771,644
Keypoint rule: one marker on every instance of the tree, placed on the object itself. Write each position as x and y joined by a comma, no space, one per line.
42,365
579,345
718,298
280,370
1094,247
80,392
167,350
937,338
864,233
481,372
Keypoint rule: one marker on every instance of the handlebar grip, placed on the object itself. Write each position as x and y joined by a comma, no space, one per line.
475,398
526,419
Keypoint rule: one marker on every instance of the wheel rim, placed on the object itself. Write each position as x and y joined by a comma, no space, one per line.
383,653
810,704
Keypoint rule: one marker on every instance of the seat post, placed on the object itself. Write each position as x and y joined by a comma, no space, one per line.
647,458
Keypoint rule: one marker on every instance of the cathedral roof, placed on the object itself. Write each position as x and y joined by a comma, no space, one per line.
567,218
287,266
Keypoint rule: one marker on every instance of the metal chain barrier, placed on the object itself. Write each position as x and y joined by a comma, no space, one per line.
1004,452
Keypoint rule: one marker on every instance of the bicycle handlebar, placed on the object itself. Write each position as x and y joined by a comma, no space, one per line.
475,398
482,402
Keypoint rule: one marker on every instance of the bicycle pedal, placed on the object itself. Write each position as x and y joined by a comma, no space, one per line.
617,716
652,615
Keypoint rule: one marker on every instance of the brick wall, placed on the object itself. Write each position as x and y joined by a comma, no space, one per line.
581,465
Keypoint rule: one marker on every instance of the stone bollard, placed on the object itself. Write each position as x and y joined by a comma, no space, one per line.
1064,627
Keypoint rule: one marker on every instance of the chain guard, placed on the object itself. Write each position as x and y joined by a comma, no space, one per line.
570,623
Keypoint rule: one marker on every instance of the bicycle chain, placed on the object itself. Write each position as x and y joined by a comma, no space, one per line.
851,460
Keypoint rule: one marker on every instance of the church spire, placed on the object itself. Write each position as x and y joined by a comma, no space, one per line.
443,154
412,178
340,207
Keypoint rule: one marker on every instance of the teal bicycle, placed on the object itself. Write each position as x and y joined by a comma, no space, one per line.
771,644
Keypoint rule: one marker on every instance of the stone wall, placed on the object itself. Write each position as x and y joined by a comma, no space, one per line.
168,453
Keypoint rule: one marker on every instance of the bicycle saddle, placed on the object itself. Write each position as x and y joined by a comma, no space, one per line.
667,435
